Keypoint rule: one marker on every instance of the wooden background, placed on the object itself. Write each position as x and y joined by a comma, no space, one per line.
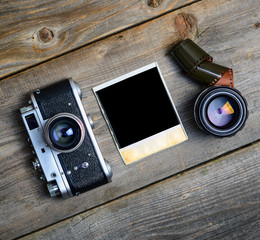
203,188
71,24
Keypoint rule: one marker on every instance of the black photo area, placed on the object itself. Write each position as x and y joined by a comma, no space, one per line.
138,107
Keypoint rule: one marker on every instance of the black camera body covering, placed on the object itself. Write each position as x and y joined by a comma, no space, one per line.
66,151
219,110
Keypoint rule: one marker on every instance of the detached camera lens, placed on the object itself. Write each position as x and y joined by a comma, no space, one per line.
221,111
64,132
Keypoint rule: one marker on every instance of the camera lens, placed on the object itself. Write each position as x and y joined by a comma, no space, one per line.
221,111
64,132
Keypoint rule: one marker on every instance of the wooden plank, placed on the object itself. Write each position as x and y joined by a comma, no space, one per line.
35,31
219,200
25,203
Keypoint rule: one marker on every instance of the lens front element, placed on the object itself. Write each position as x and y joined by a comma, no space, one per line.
220,111
64,132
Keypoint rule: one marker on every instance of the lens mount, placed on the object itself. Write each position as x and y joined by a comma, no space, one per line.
64,132
220,111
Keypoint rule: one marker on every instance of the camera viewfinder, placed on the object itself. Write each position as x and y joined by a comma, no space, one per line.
31,121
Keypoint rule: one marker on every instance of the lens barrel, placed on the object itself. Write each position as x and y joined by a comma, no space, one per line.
64,132
220,111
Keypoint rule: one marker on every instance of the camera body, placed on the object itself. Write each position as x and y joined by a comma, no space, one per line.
66,151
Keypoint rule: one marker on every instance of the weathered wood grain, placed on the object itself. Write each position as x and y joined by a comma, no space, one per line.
34,31
224,28
220,200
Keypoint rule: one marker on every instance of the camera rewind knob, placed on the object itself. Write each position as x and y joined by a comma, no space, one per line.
91,121
36,164
78,89
109,169
53,189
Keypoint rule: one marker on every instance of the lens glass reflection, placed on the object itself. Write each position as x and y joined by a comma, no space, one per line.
222,111
64,133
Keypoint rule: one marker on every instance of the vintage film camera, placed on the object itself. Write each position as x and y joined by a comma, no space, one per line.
220,110
66,151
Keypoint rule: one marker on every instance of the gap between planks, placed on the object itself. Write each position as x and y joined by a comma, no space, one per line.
104,36
119,201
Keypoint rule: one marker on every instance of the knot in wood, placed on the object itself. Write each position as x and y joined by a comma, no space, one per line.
46,35
185,25
256,25
154,3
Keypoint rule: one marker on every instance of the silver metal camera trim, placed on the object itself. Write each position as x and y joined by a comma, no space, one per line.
64,186
67,115
48,159
103,164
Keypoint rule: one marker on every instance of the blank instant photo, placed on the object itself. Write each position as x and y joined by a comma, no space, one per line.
140,113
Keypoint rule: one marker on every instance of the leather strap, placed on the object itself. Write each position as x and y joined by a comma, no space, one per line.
198,64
